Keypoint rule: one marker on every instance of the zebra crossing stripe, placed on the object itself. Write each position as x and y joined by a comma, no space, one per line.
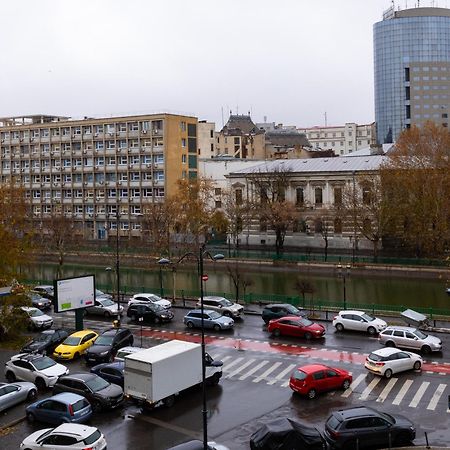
385,392
355,384
365,394
252,371
402,392
436,396
282,374
267,372
419,394
236,371
232,364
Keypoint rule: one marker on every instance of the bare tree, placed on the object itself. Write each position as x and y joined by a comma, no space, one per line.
303,287
238,278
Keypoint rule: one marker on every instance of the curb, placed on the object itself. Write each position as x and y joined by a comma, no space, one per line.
12,424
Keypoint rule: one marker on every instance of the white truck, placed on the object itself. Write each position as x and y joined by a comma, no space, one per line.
154,376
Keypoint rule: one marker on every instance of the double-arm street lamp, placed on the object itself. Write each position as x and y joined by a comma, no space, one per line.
344,272
199,258
117,270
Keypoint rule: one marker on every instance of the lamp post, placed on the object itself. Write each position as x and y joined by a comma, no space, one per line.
117,268
199,258
161,262
344,272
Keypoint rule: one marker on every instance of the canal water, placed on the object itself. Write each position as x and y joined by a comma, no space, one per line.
408,292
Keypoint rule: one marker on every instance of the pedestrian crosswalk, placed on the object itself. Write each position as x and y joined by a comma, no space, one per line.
407,389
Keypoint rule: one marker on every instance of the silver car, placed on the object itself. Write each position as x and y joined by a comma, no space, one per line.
13,393
37,319
408,337
105,307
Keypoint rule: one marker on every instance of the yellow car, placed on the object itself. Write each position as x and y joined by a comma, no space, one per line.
75,344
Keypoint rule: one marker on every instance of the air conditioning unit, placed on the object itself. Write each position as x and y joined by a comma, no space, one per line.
32,139
131,199
101,182
63,184
119,182
130,166
155,131
148,166
119,150
84,151
96,135
144,131
85,183
23,170
42,183
21,139
129,150
90,215
107,183
3,140
52,152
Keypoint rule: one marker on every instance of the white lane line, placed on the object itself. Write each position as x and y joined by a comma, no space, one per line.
366,392
436,396
252,371
385,392
419,394
402,392
267,372
355,384
282,374
232,364
236,371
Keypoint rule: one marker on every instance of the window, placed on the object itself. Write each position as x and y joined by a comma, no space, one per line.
263,225
183,159
183,142
367,195
337,226
338,196
217,191
238,196
318,193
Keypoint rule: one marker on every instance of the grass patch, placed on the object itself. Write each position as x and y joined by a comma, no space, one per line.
14,343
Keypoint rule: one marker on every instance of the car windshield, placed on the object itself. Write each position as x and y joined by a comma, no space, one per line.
420,335
72,340
388,417
291,309
226,302
99,292
42,338
35,312
104,340
93,437
106,302
299,375
43,363
35,297
97,384
368,318
156,308
305,322
214,315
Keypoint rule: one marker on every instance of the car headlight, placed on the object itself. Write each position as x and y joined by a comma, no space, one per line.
103,353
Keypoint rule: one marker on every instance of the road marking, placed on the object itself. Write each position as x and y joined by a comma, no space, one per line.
436,396
365,394
236,371
282,374
255,369
232,364
402,392
352,387
385,392
419,394
267,372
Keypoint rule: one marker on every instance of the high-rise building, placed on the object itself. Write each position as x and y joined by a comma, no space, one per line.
100,172
412,70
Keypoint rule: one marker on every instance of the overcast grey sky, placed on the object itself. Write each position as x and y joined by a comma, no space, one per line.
289,60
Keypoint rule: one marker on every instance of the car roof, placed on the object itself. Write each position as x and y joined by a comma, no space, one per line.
146,294
75,429
28,308
398,327
44,286
387,351
28,356
271,305
82,333
83,376
213,297
120,365
357,411
311,368
291,318
131,349
66,397
206,311
113,331
352,311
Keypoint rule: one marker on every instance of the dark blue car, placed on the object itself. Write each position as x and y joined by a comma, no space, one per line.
61,408
112,372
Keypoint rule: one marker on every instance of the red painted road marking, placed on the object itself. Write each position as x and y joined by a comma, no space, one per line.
273,347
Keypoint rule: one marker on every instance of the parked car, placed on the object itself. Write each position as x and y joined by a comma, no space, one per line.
99,293
13,393
278,310
387,361
221,304
107,344
198,445
46,290
65,437
296,327
37,320
151,312
124,351
101,394
46,341
412,338
211,319
40,370
75,344
149,298
358,321
314,378
38,301
363,427
104,306
112,372
60,408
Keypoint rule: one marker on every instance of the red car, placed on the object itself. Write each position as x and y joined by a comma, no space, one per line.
314,378
295,326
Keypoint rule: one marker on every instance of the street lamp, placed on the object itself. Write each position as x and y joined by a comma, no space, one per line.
117,262
344,272
199,258
161,262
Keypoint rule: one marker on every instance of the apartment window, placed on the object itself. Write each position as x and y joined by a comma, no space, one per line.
134,143
100,161
183,142
123,177
123,160
122,127
318,196
123,193
110,145
366,195
77,131
338,196
134,126
183,126
111,160
337,226
87,130
36,194
262,225
122,143
99,128
111,128
218,204
99,145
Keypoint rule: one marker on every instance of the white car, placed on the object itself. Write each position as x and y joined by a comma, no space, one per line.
124,351
68,436
387,361
149,298
99,293
40,370
38,320
221,304
358,321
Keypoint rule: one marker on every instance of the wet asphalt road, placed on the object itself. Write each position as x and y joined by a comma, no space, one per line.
243,401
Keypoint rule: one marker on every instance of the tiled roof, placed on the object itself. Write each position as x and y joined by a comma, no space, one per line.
287,139
243,123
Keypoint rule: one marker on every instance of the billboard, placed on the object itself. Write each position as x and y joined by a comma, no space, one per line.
74,293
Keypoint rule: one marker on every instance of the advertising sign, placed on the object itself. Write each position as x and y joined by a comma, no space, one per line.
74,293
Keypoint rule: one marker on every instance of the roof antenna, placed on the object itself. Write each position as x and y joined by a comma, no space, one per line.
326,121
222,116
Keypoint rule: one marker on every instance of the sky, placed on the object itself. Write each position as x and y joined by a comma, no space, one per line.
291,61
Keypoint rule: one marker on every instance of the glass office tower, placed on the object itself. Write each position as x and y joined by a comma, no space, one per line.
412,70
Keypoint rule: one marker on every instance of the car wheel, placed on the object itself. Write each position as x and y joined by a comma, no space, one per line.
276,332
190,324
227,314
308,336
111,358
339,327
402,439
388,373
346,384
10,377
40,384
390,344
32,394
131,341
371,331
417,365
312,393
157,320
107,314
31,418
426,350
216,327
96,406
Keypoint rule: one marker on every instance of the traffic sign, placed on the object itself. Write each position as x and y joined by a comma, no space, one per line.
205,277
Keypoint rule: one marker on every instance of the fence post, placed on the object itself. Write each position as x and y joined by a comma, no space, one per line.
182,296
